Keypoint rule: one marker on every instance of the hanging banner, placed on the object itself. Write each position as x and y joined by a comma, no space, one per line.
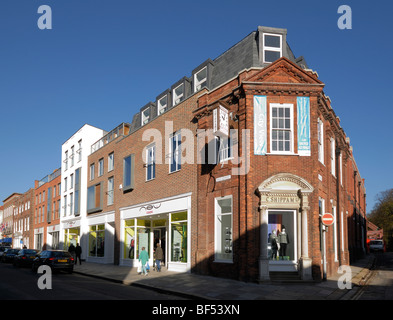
303,126
260,136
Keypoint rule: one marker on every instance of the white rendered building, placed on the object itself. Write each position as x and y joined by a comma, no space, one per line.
74,169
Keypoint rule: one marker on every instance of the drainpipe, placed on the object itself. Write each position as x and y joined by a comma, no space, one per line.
338,207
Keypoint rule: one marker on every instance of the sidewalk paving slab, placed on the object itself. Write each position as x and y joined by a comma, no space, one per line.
201,287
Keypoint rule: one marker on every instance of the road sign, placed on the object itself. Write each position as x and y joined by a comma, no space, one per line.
327,219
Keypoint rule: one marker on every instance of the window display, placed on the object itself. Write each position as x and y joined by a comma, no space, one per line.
179,237
223,229
129,239
97,241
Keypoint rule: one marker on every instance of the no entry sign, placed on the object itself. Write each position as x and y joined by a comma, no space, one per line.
327,219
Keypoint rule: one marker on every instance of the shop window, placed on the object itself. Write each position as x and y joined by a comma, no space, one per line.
129,239
179,237
272,47
97,240
94,198
223,229
143,236
281,128
281,235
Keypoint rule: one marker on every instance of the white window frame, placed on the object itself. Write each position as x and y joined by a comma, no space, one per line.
341,168
335,233
217,230
177,98
151,162
111,185
100,167
321,156
162,107
144,118
175,153
225,149
267,48
111,161
92,169
291,134
333,156
197,83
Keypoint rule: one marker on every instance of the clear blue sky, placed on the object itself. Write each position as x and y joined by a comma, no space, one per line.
105,59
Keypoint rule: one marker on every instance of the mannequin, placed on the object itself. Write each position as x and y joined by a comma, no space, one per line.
273,241
283,239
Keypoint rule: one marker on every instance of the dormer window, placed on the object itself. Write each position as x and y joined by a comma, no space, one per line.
178,94
200,79
162,104
145,116
272,47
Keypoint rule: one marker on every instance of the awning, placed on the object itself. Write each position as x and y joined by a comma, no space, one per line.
6,240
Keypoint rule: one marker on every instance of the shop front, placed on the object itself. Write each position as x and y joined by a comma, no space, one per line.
53,237
71,233
284,209
100,237
165,221
39,238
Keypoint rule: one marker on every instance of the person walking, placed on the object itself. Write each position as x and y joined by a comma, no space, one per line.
158,255
71,250
143,258
78,252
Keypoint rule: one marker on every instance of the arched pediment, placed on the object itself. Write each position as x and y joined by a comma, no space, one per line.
285,182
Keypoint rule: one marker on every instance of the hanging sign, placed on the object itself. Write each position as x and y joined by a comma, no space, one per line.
303,126
260,136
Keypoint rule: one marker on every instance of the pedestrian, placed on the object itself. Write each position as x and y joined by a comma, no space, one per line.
144,258
159,255
71,249
78,252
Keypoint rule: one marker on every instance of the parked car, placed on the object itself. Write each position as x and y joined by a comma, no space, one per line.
3,249
377,245
25,257
9,254
55,259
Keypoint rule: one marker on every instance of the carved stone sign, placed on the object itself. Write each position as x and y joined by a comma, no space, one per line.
283,199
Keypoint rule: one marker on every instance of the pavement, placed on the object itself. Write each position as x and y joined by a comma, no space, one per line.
200,287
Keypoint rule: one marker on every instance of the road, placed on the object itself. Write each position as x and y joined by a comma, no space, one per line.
380,283
22,284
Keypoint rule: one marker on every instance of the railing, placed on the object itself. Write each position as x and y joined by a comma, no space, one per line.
121,130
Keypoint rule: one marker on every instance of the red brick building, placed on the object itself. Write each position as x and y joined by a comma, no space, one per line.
47,194
9,209
300,166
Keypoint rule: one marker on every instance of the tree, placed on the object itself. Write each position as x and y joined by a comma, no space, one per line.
382,215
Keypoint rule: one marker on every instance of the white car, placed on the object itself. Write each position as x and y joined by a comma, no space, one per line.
376,245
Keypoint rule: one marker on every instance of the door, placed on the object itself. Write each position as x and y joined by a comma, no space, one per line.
282,240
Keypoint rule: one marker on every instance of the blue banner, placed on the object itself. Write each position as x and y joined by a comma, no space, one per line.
260,129
303,126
